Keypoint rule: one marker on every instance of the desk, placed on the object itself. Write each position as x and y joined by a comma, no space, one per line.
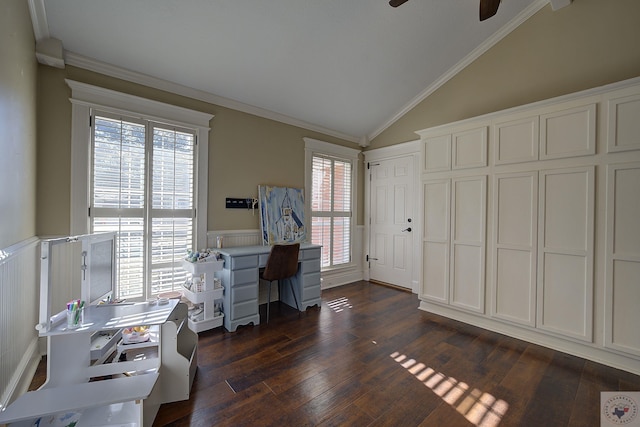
240,278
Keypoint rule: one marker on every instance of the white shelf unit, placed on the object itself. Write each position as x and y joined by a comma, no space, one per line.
208,296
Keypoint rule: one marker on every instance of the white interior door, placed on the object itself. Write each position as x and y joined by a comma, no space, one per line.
392,223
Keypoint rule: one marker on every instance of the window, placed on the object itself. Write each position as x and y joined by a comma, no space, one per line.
331,186
142,187
143,171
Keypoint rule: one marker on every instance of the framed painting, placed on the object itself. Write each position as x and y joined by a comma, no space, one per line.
281,214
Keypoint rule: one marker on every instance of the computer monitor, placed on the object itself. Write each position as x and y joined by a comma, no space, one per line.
100,279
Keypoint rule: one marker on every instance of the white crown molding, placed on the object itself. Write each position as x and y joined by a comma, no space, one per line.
472,56
90,64
39,19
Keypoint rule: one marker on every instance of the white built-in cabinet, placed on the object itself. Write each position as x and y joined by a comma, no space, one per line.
515,233
454,242
514,203
565,252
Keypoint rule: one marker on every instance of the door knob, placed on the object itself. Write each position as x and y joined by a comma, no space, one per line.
407,229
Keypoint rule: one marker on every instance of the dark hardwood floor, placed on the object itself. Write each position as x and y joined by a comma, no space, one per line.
369,357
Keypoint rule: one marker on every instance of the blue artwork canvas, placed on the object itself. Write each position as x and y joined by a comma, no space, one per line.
281,214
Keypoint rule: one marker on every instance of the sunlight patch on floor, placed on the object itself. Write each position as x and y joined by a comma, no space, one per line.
479,408
339,304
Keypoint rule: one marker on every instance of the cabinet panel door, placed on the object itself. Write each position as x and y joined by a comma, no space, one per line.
516,141
467,277
565,252
514,242
435,265
624,124
437,153
435,274
469,148
568,133
564,300
622,286
468,212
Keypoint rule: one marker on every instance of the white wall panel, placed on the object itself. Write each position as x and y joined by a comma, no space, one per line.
468,210
467,277
435,271
626,210
436,210
566,295
469,148
514,242
623,258
624,126
437,153
516,141
565,252
514,288
568,133
626,300
566,217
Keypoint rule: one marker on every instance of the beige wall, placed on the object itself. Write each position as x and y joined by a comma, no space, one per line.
17,124
244,151
587,44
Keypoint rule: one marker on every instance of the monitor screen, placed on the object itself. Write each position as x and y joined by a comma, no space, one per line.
101,271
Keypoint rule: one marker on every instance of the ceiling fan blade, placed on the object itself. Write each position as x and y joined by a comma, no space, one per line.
396,3
488,8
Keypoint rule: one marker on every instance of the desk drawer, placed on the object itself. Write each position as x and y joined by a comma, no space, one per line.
244,293
243,309
240,262
240,277
311,280
311,293
311,265
312,253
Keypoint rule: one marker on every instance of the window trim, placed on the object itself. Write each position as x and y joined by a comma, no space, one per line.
322,148
84,98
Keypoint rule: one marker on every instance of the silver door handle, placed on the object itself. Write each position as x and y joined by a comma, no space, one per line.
407,229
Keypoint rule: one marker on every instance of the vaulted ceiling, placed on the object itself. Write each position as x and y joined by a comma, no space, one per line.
348,68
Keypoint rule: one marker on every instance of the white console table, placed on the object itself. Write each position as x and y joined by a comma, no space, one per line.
240,278
131,399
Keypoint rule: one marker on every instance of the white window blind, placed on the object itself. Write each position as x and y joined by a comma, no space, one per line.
331,208
143,188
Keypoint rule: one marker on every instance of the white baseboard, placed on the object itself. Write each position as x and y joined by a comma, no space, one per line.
585,351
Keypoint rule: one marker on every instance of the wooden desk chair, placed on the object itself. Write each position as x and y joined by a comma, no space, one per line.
282,264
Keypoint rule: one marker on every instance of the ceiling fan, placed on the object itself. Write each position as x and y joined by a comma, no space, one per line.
488,8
